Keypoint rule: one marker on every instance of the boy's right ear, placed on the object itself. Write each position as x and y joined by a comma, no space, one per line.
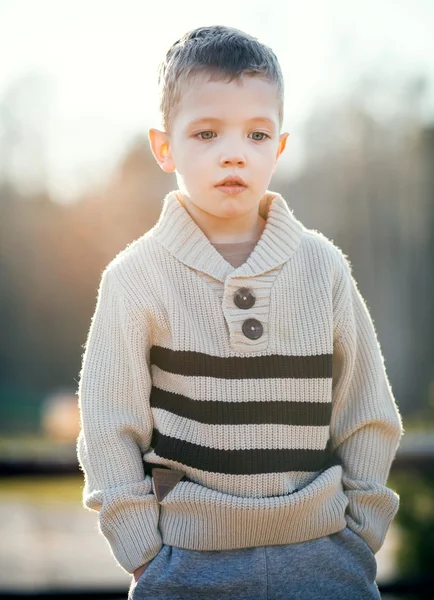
159,141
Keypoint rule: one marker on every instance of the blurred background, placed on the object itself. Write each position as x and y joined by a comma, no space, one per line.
78,93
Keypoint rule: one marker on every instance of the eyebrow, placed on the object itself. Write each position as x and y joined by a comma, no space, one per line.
215,120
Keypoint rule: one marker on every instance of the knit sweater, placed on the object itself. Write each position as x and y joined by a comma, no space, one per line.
263,384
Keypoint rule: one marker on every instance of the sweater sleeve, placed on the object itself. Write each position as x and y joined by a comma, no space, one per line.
116,429
366,426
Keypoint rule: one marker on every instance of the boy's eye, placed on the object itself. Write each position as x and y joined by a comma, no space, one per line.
258,136
206,135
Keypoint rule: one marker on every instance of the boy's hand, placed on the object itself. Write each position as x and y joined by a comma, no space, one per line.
139,571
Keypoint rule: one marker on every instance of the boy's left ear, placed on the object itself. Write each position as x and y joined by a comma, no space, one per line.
159,141
280,148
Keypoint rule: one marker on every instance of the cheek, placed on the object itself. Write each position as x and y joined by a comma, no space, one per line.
263,156
194,168
190,154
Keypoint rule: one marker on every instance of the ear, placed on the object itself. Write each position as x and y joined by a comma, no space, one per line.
159,141
280,148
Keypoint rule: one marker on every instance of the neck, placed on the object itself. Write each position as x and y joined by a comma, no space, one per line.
225,231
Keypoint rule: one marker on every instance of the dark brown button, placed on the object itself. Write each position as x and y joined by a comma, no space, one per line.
244,298
252,329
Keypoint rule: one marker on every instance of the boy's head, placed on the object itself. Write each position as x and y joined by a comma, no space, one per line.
222,109
221,53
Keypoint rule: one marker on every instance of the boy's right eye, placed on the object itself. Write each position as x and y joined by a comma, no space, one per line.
206,135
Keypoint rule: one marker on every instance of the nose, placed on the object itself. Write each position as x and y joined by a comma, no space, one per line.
233,157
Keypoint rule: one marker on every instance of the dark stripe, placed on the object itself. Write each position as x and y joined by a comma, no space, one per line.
237,413
241,367
239,462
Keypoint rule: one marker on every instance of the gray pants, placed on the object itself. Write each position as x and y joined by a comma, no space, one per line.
335,567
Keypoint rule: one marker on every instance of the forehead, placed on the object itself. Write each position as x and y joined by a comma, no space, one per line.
241,99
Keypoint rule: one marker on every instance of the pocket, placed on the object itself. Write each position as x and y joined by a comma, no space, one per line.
367,556
145,574
359,539
146,569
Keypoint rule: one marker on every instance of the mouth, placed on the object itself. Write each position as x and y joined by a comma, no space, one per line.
232,185
232,181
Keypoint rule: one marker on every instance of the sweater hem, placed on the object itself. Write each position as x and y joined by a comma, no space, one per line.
197,518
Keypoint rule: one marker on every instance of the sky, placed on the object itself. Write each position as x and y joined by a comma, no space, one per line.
89,68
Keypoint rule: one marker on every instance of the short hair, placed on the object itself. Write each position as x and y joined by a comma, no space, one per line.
225,53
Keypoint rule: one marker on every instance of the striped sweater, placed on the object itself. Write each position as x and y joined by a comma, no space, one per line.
263,385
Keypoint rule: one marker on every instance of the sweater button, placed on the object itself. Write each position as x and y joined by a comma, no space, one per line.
252,329
244,298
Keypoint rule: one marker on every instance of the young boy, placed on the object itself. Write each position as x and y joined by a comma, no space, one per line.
238,425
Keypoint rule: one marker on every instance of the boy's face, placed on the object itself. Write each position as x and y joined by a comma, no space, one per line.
223,144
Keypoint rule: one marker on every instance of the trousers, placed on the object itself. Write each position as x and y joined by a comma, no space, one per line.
335,567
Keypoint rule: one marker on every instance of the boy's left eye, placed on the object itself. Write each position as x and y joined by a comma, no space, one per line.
258,136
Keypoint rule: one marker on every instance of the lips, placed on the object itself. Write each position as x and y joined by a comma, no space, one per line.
231,181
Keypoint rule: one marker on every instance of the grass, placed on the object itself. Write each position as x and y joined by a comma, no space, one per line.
42,489
38,489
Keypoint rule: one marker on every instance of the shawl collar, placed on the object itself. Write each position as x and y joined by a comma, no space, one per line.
183,238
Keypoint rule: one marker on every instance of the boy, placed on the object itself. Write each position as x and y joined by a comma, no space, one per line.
238,425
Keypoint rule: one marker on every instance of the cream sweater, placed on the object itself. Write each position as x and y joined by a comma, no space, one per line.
264,384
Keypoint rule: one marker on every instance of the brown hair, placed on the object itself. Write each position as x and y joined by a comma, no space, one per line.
223,53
